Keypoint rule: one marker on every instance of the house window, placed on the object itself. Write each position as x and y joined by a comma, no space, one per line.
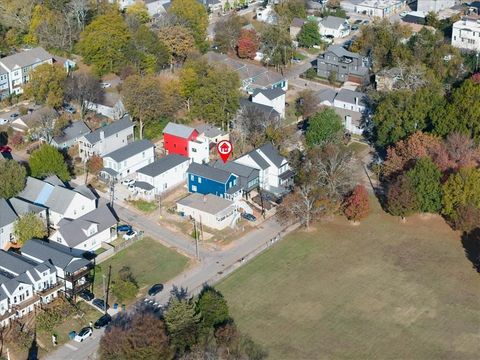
192,177
199,180
194,188
194,150
143,154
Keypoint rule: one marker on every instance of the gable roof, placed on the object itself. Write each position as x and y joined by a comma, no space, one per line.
326,95
60,199
209,172
72,131
129,150
332,22
267,111
36,191
26,58
178,130
270,93
349,96
297,22
272,154
209,203
85,191
17,264
259,160
23,207
210,131
7,215
236,168
162,165
109,130
341,51
73,231
48,252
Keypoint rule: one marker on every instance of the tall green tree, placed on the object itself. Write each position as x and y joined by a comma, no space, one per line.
46,85
46,161
309,34
401,197
12,178
104,43
401,113
461,189
195,16
179,42
289,9
147,53
425,179
277,45
213,308
182,321
323,128
27,227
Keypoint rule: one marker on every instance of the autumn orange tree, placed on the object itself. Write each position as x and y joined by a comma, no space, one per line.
357,206
248,43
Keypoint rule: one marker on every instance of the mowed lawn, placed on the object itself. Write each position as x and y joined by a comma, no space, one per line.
150,262
380,290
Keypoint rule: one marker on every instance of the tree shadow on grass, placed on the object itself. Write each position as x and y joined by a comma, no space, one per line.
471,245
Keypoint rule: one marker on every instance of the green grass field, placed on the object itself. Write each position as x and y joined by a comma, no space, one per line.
380,290
149,261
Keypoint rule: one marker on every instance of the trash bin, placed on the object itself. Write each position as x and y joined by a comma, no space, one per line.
115,306
71,335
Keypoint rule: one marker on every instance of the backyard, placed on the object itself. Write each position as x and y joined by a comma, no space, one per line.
149,261
380,290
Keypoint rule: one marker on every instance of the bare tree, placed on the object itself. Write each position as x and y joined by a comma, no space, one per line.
80,9
252,124
45,129
83,88
411,77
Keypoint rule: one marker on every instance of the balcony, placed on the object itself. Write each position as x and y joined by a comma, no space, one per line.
50,289
79,274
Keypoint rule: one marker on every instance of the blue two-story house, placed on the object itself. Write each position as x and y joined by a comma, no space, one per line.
205,179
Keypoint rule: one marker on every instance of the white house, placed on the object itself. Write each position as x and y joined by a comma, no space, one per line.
274,98
199,150
107,139
89,231
212,133
466,34
275,174
128,159
60,201
110,106
334,26
15,69
266,14
209,210
379,8
70,135
165,173
7,220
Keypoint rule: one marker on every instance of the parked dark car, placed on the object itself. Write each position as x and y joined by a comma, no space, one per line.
155,289
249,217
103,321
124,228
87,295
100,304
69,108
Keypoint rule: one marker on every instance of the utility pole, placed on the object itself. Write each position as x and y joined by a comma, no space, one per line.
104,292
196,239
112,192
108,286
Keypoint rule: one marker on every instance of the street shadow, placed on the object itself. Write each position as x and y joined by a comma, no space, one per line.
33,350
471,246
3,138
179,293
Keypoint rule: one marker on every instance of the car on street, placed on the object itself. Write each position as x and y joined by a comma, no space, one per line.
103,321
105,85
127,182
14,116
85,333
249,217
124,228
99,303
3,121
129,235
87,295
155,289
69,108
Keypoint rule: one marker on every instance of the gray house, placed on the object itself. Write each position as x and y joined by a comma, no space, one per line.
248,177
70,135
346,65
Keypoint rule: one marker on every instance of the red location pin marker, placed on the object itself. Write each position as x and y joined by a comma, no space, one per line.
224,148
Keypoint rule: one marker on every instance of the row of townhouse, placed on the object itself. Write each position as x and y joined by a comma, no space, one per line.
15,69
36,275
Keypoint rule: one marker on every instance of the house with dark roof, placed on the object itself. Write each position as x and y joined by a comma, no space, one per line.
212,133
7,220
70,135
248,177
59,201
275,174
205,179
127,160
249,108
334,26
274,98
209,210
295,27
345,65
110,105
87,232
185,140
165,173
24,284
73,271
106,139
